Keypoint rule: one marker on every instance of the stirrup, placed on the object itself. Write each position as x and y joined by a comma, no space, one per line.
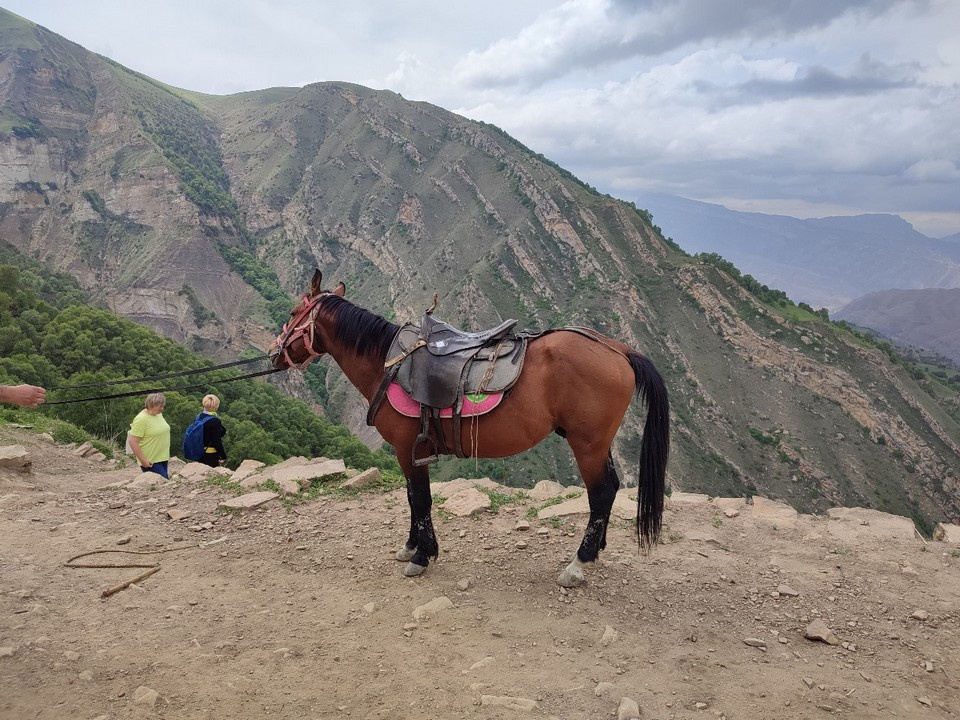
423,439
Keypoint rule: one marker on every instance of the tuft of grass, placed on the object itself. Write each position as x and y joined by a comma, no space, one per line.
499,499
224,482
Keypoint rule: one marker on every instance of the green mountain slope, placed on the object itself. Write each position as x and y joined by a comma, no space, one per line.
214,210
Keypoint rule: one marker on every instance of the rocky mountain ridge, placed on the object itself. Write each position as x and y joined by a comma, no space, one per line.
202,216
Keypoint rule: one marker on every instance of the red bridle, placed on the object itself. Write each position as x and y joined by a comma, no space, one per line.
302,326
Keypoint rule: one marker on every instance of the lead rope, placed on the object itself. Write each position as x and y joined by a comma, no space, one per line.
167,376
134,393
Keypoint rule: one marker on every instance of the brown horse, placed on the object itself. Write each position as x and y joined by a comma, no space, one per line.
575,384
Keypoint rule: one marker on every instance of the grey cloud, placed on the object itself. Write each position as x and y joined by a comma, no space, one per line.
580,39
819,81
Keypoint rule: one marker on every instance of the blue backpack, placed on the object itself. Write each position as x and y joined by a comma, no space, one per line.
193,447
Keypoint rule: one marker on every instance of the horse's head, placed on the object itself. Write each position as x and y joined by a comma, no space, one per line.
298,343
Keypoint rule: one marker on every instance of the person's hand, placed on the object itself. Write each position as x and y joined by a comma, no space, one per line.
146,464
23,395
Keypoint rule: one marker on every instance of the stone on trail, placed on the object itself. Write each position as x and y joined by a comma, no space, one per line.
511,703
304,471
144,481
731,507
422,612
287,487
83,449
628,710
249,501
947,532
246,468
775,512
787,591
818,630
6,652
546,490
920,615
682,498
467,502
484,662
199,470
16,458
865,522
602,688
145,696
370,476
610,636
575,506
755,642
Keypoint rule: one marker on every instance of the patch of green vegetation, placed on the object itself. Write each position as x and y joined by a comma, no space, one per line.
44,345
201,315
499,499
762,438
225,483
260,276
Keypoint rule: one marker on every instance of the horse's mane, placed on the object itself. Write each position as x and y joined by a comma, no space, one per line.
365,332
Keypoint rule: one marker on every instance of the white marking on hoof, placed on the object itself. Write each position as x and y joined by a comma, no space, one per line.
413,570
405,553
572,575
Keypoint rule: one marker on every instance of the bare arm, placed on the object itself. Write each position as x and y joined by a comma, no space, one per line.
138,451
23,395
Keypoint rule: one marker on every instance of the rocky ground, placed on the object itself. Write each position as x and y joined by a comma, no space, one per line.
300,611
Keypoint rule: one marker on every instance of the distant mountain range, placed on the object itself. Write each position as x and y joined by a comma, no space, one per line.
825,262
927,319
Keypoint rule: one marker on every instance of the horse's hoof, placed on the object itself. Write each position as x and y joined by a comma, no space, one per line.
413,570
405,553
572,575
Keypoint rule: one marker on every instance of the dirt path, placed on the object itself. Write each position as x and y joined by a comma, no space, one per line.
304,613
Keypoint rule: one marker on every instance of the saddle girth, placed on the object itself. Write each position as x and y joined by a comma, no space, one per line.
437,365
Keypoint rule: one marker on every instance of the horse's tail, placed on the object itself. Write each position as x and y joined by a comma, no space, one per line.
654,449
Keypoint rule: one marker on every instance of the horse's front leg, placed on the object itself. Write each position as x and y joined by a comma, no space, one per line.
601,491
421,544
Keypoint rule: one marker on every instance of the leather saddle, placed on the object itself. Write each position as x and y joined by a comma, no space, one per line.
437,364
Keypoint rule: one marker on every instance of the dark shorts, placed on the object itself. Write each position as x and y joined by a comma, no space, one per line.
211,459
160,468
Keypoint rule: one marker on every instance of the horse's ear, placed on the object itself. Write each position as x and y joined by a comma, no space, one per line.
316,284
340,289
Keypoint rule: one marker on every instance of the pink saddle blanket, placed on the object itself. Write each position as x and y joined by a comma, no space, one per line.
472,404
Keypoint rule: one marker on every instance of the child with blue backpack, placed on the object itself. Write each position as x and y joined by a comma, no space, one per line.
203,440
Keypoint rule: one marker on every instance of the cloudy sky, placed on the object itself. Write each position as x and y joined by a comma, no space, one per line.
796,107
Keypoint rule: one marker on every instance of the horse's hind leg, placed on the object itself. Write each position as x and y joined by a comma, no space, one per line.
602,484
421,544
